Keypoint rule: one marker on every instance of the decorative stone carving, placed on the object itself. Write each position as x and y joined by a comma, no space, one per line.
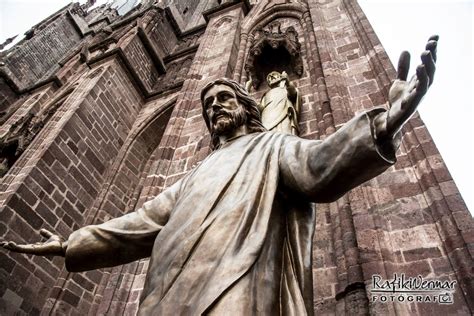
176,71
187,42
21,134
269,47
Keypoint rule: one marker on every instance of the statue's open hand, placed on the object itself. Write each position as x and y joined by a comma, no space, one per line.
405,96
53,246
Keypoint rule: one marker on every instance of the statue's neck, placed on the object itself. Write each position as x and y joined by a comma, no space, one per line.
237,132
280,84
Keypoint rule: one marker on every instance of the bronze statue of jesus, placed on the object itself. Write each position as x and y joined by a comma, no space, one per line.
234,235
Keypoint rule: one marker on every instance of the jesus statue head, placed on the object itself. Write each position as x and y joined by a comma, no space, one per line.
229,111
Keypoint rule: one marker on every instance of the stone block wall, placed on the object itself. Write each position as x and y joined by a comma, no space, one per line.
56,39
62,170
398,222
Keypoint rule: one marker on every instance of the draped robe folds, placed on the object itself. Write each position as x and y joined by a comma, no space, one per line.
235,234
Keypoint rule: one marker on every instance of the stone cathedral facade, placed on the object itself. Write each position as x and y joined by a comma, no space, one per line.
100,112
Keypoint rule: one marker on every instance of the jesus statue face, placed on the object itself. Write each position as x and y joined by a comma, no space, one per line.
223,109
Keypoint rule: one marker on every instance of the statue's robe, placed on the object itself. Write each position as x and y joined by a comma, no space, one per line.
279,113
234,235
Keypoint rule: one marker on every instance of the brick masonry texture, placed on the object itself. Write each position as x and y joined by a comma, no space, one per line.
126,124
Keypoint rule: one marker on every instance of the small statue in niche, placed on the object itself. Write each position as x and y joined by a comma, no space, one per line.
280,106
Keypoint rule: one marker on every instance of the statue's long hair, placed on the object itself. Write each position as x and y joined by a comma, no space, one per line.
254,120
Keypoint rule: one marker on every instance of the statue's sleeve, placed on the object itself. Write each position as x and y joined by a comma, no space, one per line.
123,239
323,171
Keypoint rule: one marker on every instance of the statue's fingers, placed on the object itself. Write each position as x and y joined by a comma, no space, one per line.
30,248
25,248
432,47
410,85
46,233
422,77
5,244
429,64
403,66
422,84
11,245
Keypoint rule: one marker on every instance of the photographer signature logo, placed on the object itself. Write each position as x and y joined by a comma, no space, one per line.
412,289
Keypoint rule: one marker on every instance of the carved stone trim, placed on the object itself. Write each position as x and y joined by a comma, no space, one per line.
272,36
22,133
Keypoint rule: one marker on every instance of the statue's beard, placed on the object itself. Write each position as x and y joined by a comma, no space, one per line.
228,122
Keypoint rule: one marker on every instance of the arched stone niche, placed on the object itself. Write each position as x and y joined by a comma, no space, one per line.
273,48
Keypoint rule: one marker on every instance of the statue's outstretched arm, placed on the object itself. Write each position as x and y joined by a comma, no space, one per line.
53,246
120,240
405,96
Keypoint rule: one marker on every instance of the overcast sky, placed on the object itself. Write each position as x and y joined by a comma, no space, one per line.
400,25
447,109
